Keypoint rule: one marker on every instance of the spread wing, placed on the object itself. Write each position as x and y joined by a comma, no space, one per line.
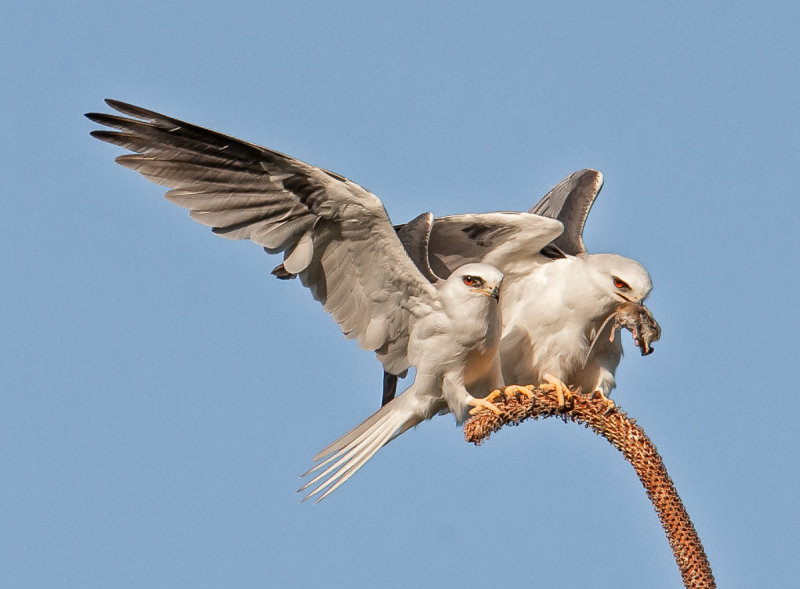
569,202
335,234
504,240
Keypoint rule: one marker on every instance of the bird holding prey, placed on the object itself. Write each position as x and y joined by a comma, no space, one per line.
336,236
562,307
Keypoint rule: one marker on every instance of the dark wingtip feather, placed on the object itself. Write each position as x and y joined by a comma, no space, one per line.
104,135
122,107
108,120
132,110
117,105
95,117
281,273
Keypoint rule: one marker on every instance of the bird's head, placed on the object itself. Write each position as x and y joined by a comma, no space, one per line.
622,279
481,279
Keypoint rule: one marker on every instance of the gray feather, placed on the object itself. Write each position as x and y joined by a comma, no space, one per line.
569,202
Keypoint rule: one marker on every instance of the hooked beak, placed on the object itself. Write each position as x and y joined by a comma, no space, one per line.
495,294
626,299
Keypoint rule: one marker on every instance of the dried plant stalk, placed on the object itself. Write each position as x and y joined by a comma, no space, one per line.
613,424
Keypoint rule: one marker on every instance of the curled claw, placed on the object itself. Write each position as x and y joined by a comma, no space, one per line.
610,405
480,404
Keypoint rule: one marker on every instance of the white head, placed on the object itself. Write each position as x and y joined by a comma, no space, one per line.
622,279
475,279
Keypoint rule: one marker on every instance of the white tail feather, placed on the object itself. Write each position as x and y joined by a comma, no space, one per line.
341,459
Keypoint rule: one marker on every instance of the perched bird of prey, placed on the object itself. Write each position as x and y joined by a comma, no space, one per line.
562,307
337,237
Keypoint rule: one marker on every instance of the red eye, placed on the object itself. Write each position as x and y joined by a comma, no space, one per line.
619,283
469,280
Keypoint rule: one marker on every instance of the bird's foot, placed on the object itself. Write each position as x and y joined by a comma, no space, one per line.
493,396
486,403
562,390
513,389
610,405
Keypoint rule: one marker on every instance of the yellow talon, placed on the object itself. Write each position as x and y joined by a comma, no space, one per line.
513,389
610,405
562,390
493,395
479,404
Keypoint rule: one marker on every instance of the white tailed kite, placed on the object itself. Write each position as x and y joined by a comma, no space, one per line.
562,307
337,237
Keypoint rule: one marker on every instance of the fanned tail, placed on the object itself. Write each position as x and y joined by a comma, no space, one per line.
341,459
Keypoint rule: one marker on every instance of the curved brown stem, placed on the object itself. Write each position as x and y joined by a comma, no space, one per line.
627,437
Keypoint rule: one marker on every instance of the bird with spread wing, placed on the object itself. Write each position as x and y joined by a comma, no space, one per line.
336,236
562,307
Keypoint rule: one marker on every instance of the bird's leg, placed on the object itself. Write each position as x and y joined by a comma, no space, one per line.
562,390
610,405
453,388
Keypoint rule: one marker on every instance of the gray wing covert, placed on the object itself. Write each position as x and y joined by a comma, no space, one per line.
499,239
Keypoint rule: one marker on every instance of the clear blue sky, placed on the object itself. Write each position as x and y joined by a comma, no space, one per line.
161,391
